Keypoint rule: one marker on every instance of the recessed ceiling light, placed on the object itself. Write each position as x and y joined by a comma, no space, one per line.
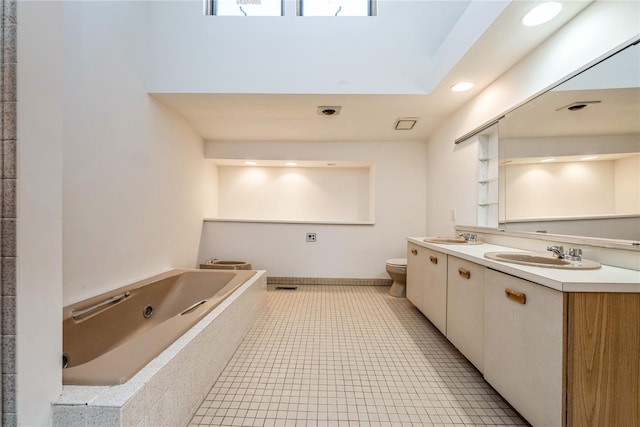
547,160
578,105
589,158
329,110
462,86
250,163
542,13
291,163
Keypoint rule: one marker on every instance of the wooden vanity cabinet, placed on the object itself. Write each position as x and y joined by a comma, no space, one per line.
603,359
465,309
524,346
427,283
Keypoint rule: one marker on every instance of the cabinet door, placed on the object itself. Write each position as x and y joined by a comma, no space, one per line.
524,326
434,297
465,308
415,274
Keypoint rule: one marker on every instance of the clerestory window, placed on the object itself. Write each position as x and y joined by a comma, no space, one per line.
336,7
303,7
244,7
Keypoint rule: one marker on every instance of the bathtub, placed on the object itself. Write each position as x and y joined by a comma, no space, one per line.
108,338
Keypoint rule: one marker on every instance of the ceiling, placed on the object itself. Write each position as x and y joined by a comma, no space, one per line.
370,117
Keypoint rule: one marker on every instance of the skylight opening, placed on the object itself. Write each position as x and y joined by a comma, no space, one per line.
244,7
336,7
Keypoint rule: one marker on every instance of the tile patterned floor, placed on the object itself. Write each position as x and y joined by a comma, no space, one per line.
349,356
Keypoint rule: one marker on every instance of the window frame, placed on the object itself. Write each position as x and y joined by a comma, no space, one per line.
211,8
372,8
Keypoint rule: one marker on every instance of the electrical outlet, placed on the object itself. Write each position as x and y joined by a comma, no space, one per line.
453,214
311,237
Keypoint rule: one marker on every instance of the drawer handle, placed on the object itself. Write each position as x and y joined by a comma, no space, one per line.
433,259
414,251
516,296
464,273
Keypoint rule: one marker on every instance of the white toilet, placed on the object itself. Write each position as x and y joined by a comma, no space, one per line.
397,269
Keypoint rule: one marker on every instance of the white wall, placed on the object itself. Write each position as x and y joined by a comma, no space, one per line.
544,190
312,193
566,189
600,28
341,250
210,188
627,189
309,55
133,170
39,226
128,202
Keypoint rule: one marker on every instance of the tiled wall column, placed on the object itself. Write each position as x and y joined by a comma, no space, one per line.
8,91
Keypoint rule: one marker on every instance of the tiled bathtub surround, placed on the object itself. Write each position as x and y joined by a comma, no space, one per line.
8,211
349,356
169,389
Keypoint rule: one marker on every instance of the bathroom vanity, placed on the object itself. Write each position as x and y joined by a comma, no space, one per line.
561,346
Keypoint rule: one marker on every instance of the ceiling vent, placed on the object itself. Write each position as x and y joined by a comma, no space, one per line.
405,123
328,110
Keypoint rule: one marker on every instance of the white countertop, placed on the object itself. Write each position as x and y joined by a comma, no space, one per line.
604,279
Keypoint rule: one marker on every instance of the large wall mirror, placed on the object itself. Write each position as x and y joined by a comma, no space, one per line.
570,158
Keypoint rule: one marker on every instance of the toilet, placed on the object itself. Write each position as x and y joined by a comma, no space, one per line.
217,264
397,269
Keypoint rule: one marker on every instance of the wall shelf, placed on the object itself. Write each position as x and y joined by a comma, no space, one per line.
287,221
488,180
294,192
487,201
488,158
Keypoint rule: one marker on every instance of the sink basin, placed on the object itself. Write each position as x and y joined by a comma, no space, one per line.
450,241
541,260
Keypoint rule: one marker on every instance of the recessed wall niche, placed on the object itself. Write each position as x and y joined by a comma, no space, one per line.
294,191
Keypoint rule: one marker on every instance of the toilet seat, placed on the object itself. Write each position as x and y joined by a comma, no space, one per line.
397,262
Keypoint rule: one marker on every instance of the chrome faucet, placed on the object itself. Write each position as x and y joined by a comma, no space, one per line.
469,237
574,254
557,251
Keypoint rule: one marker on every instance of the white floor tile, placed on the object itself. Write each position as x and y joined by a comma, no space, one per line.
348,355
